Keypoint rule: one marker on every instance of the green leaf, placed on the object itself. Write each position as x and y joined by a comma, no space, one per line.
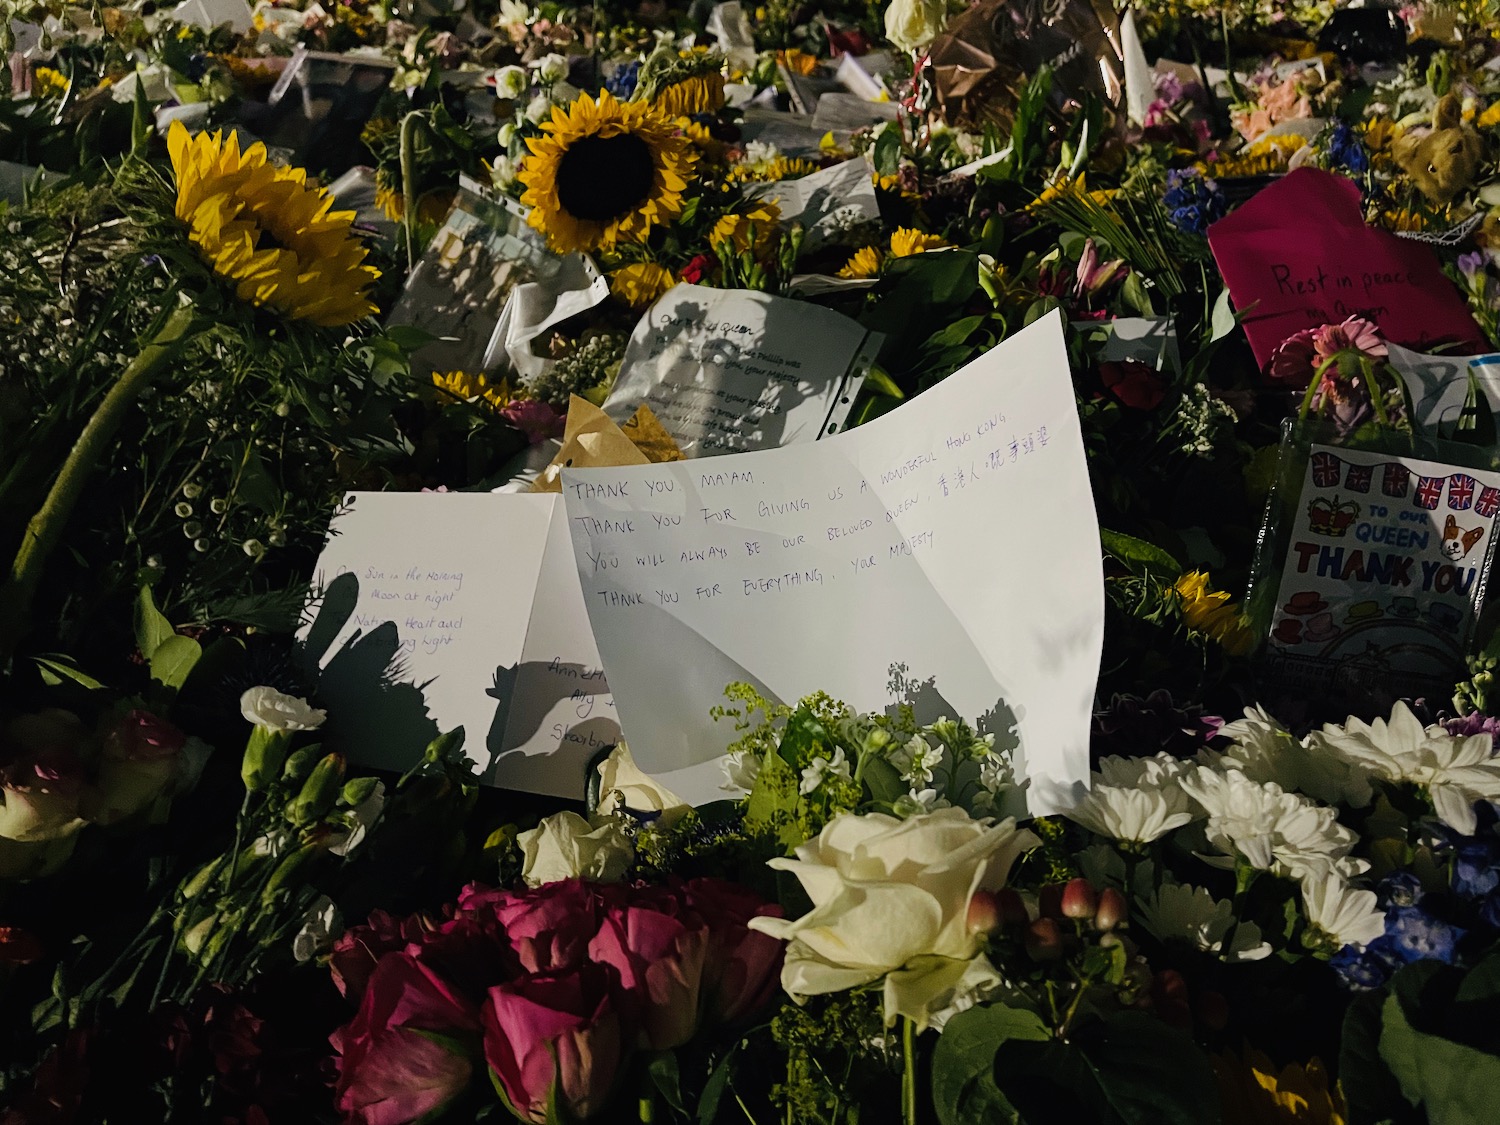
713,1089
1151,1074
963,1063
775,790
1476,422
1129,549
1134,294
884,782
880,382
173,660
662,1071
151,628
803,735
886,155
1369,1088
955,333
1453,1083
56,669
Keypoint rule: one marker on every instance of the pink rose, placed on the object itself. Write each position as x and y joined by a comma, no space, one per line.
555,1029
660,961
389,1072
535,419
547,927
141,736
742,970
359,949
142,755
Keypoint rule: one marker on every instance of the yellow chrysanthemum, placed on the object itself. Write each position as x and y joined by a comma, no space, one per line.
1252,1092
47,83
1210,611
752,230
605,172
769,171
798,62
865,262
699,93
261,227
640,283
1266,156
906,241
1490,117
473,388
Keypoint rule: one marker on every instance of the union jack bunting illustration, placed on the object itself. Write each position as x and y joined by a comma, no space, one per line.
1488,503
1460,492
1325,469
1429,492
1396,479
1357,479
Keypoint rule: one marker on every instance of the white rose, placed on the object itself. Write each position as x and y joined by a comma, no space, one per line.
566,846
269,708
551,68
912,24
891,900
624,785
511,82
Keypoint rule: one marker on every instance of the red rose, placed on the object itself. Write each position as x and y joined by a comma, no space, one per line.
660,961
389,1071
548,927
1137,385
694,271
359,949
557,1029
742,970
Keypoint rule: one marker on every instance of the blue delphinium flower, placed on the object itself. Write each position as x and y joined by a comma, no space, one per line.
1364,969
1399,888
1419,936
1193,201
1346,151
623,81
1476,867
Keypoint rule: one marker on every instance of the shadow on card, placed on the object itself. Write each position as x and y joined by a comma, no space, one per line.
550,722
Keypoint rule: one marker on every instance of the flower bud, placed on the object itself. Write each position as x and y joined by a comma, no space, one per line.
1113,909
300,762
264,753
319,791
984,913
192,941
287,870
1079,899
1044,940
357,791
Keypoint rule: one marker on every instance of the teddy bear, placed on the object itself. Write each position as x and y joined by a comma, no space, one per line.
1444,161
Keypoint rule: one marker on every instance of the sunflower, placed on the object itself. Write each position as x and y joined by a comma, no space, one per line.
48,82
473,388
752,230
261,227
906,241
605,172
699,93
640,283
769,171
1210,611
1253,1092
865,262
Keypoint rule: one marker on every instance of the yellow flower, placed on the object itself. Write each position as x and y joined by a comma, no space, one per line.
1253,1093
753,230
1210,611
1491,116
605,172
261,227
906,241
699,93
1266,156
48,82
778,168
640,283
433,208
473,388
865,262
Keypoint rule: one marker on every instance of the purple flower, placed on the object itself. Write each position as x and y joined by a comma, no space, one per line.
1192,201
1362,970
1475,722
1418,936
1476,867
1169,86
1400,888
1471,263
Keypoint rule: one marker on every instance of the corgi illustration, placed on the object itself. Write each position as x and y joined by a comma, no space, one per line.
1457,542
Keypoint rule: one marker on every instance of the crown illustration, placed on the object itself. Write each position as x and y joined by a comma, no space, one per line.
1329,517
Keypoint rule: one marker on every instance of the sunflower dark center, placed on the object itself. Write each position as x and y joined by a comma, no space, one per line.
601,178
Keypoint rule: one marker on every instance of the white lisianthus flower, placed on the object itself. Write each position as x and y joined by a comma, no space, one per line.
539,109
269,708
511,82
506,134
1453,771
1270,829
1176,912
917,802
837,766
503,171
1135,816
356,821
1265,751
624,785
912,24
890,902
740,771
319,927
566,846
1342,914
551,68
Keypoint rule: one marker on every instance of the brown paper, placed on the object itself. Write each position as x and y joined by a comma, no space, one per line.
591,440
980,65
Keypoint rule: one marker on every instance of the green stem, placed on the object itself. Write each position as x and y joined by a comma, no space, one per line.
909,1072
1376,399
1312,387
44,532
409,125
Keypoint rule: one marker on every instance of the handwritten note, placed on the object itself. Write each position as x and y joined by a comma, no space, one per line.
1299,255
727,370
474,598
945,555
827,203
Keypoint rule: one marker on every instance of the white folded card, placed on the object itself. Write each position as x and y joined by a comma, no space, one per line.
467,613
945,555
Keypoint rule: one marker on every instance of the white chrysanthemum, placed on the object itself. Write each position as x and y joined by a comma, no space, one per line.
1158,771
1265,751
1344,915
813,775
1135,816
1272,830
1191,914
1454,771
